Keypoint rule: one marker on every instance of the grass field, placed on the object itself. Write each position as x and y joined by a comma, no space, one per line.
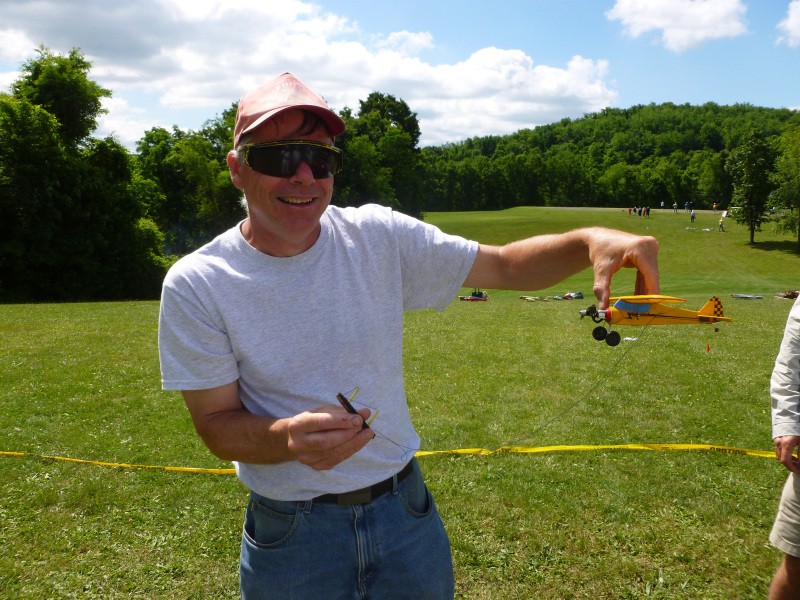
81,381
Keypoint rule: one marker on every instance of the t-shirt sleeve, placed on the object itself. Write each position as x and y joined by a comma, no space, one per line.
785,380
194,348
434,264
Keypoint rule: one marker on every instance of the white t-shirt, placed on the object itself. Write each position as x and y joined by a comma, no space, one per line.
295,331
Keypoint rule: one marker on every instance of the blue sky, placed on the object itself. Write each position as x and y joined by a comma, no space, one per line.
466,68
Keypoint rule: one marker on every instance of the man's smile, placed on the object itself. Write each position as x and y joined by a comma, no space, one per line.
290,200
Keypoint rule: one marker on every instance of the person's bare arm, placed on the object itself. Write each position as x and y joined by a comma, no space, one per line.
542,261
320,439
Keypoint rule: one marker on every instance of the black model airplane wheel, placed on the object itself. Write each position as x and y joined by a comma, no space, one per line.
613,338
599,333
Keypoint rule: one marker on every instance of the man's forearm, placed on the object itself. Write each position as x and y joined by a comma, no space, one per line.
244,437
530,264
542,261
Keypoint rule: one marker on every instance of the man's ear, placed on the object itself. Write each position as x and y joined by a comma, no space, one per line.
235,168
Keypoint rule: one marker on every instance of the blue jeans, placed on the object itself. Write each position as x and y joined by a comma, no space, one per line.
392,547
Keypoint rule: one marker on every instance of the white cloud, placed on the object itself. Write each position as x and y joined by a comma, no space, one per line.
683,24
790,26
15,46
6,79
407,42
220,10
500,91
166,59
125,123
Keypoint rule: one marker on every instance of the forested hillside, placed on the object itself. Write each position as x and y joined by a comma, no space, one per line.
638,156
83,218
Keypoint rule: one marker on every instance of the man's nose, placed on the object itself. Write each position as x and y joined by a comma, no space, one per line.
302,173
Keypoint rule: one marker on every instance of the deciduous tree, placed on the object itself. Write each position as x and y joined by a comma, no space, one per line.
61,86
787,180
750,167
71,227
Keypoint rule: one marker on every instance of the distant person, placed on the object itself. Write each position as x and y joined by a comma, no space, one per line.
265,328
785,393
675,207
721,225
692,216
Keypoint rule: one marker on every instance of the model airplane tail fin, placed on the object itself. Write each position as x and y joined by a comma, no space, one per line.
712,308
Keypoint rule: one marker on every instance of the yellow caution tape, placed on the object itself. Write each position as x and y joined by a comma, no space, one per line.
462,451
122,465
583,448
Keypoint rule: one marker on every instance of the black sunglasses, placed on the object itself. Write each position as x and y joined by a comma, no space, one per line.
281,159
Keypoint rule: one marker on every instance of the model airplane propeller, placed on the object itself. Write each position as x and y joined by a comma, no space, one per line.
649,310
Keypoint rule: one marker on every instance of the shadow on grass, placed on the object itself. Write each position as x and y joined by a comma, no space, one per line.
785,246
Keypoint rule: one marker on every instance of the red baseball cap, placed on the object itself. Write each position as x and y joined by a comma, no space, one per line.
280,94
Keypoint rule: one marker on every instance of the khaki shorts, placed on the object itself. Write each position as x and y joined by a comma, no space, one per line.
785,535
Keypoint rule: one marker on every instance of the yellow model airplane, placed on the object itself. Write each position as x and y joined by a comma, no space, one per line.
649,310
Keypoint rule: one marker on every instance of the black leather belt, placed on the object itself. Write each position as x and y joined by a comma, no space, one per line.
367,494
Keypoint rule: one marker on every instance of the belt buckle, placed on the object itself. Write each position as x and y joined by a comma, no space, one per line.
361,496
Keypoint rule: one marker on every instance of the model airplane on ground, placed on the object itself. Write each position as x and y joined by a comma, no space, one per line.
649,310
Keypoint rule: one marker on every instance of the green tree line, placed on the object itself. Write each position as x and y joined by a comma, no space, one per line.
84,219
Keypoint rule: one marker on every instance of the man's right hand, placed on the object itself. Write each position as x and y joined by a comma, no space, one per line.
321,438
785,447
327,436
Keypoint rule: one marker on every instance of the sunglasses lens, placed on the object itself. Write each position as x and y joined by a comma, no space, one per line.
322,162
282,160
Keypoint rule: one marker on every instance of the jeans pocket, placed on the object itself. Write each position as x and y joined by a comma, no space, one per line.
268,524
415,495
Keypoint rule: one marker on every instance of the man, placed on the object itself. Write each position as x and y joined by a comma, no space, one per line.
264,326
785,392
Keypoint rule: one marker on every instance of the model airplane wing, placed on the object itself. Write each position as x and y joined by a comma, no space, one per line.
647,299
